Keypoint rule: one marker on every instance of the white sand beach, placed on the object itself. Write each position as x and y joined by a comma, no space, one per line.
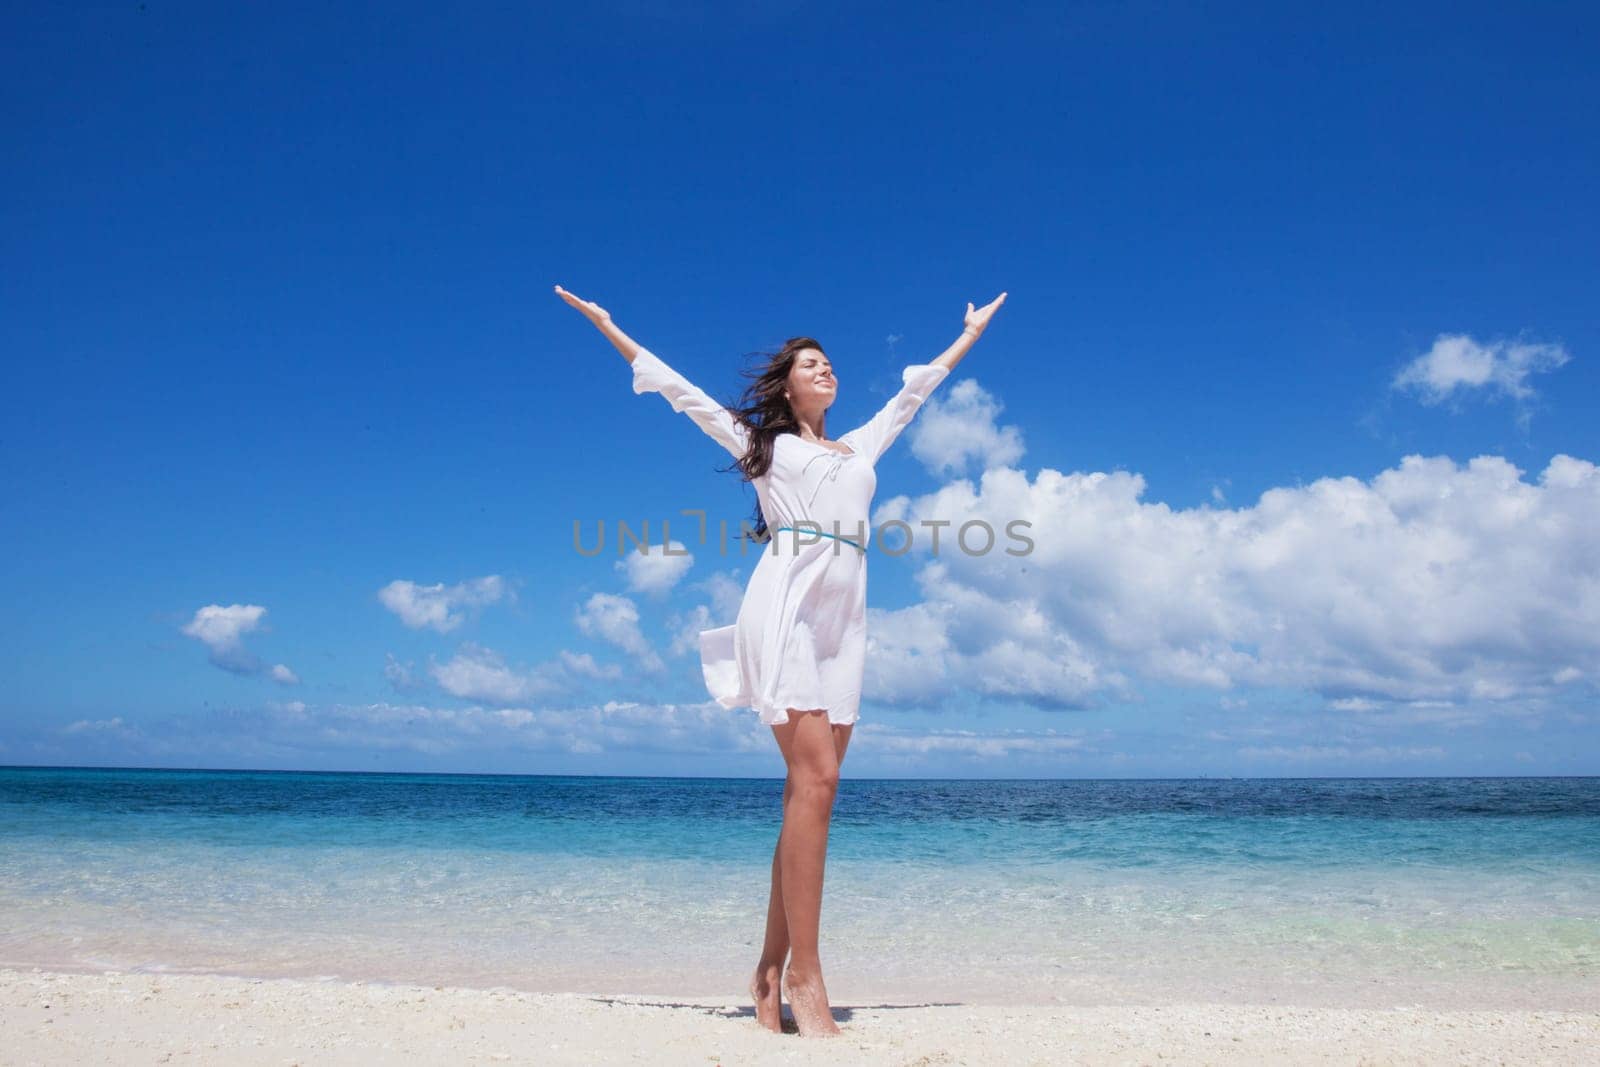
139,1018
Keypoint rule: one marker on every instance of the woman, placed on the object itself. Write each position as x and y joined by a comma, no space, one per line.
797,653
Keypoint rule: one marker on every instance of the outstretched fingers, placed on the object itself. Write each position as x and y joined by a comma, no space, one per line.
588,307
979,318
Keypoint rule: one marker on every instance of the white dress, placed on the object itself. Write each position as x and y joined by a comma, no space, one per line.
801,636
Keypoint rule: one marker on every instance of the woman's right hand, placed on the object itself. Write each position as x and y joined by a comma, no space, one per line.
978,321
591,311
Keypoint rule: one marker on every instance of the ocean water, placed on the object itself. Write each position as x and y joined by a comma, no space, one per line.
1376,891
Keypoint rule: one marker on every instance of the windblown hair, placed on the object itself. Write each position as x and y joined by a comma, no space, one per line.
765,412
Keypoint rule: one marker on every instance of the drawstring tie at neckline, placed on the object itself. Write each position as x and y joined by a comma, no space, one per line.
831,474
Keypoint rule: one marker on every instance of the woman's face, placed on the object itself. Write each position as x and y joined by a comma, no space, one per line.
811,381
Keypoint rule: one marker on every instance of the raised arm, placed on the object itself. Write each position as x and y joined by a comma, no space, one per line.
873,437
918,380
972,329
652,375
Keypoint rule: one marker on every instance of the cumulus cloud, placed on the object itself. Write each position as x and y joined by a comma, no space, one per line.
726,591
439,606
222,629
287,730
685,627
292,730
478,673
957,430
1434,581
974,744
615,620
1457,364
655,569
1342,753
582,663
1000,649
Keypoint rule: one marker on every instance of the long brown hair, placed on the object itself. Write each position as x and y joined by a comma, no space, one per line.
765,412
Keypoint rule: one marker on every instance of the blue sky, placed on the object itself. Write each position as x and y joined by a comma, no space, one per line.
1296,379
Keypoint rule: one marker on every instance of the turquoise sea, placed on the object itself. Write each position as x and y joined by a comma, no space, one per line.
1360,891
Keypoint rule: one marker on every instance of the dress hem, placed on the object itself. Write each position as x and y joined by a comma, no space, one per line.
719,667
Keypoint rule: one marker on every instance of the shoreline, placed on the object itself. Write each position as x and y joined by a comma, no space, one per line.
129,1017
1068,987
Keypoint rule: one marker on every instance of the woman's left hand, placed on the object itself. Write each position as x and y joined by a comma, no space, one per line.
591,311
979,319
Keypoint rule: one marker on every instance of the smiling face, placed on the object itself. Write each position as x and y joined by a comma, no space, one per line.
812,385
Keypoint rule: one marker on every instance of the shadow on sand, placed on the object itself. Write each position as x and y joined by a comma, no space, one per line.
724,1011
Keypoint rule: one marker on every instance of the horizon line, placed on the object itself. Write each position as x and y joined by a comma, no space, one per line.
763,778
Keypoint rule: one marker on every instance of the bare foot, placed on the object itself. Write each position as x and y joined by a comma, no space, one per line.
808,1000
764,991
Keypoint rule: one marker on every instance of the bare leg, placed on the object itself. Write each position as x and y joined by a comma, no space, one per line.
769,970
808,747
765,986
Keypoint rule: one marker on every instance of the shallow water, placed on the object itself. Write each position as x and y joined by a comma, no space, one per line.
1455,891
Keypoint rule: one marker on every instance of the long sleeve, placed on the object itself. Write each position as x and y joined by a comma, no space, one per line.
876,435
651,375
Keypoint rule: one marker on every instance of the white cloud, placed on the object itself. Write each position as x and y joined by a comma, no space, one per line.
478,673
685,629
907,654
726,589
1327,753
288,729
1457,364
436,605
969,743
112,727
957,428
222,629
582,663
1433,581
1429,713
609,726
615,619
400,675
959,638
656,570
